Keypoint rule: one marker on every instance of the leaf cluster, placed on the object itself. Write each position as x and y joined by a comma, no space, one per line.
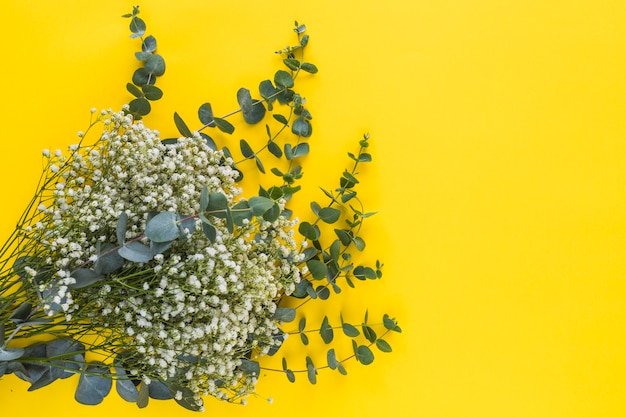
153,66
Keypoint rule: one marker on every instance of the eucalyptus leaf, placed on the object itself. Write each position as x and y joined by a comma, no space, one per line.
284,314
274,149
326,331
182,126
139,107
283,79
308,67
209,141
92,388
143,396
120,230
205,114
272,214
331,359
250,367
84,277
329,214
109,260
311,370
217,204
302,127
267,90
300,149
224,125
290,375
9,354
21,313
292,64
383,346
162,227
134,90
309,231
317,268
188,400
364,355
143,77
253,111
349,330
155,64
149,44
152,92
209,231
246,150
322,292
280,118
159,391
123,385
344,236
241,212
260,205
136,252
137,27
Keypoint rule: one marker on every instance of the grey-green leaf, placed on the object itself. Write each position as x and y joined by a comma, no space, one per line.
181,126
149,44
283,79
329,214
152,92
162,227
246,150
302,127
92,388
284,314
311,370
308,67
364,354
383,346
224,125
143,77
259,205
84,277
9,354
280,118
205,114
155,64
139,107
250,367
317,268
349,330
326,331
133,90
136,252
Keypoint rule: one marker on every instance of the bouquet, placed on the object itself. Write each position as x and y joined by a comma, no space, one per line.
140,261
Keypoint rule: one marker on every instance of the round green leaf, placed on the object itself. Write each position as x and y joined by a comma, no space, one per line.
283,79
149,44
92,388
317,268
364,355
155,64
302,127
142,77
162,227
139,107
205,114
151,92
329,214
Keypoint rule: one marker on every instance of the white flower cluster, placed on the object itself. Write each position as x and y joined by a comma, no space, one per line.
191,313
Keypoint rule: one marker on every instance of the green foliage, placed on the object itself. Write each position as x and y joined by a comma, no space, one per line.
153,66
329,255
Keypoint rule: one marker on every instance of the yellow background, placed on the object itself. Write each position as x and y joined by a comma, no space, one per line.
500,180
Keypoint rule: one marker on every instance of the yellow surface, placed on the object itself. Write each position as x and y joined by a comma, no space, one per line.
499,140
